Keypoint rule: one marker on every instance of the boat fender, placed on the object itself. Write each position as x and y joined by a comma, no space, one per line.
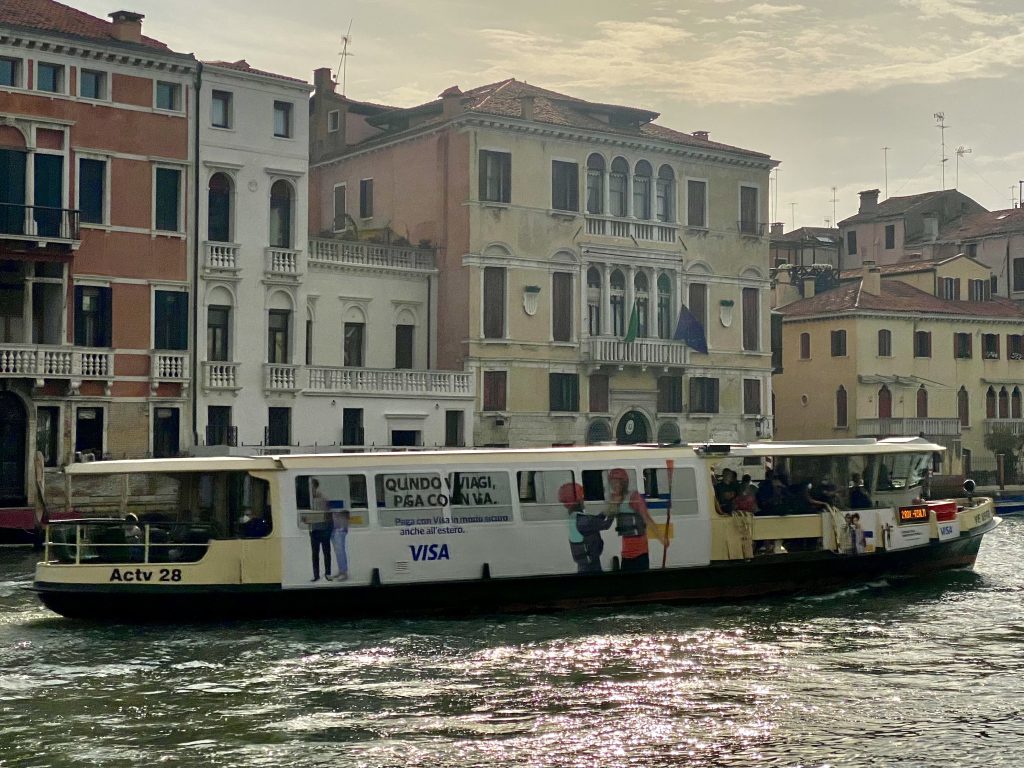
375,578
615,563
486,572
969,486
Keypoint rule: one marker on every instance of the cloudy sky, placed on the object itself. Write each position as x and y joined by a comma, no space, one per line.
821,85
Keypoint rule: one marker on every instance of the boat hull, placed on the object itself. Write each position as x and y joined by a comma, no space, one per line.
763,576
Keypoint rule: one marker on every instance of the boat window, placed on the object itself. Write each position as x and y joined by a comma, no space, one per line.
539,497
413,498
903,470
681,493
597,488
480,497
315,495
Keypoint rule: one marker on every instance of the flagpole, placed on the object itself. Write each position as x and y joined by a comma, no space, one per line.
671,464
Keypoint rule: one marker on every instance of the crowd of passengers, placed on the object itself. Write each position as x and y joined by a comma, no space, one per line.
776,495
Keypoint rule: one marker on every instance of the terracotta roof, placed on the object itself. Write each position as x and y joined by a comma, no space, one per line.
243,66
907,267
985,224
50,16
897,206
899,298
809,233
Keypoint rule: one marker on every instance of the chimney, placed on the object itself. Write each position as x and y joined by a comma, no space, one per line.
451,101
526,105
777,228
871,281
323,81
869,200
127,26
809,283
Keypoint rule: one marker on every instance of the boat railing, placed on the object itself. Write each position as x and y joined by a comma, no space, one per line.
102,541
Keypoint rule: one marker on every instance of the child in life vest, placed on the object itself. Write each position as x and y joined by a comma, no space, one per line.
585,542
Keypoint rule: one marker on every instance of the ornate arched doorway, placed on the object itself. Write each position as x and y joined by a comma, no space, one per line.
633,428
13,425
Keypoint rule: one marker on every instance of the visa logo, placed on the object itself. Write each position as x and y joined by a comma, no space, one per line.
946,530
429,552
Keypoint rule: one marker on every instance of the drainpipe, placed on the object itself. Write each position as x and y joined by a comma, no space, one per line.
195,265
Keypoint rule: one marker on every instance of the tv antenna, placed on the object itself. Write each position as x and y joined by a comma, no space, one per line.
885,161
834,201
960,152
792,208
940,119
343,63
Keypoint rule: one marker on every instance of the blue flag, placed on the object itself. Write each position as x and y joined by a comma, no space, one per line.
690,330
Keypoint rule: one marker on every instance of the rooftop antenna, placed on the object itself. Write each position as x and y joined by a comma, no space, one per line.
343,63
960,152
792,208
885,161
834,201
940,118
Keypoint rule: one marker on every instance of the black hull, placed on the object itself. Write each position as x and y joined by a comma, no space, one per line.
794,573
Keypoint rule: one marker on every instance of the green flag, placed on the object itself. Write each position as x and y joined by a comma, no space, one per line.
634,324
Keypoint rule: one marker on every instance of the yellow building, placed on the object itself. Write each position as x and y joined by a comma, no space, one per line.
919,348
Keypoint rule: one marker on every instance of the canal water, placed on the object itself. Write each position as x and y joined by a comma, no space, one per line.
913,673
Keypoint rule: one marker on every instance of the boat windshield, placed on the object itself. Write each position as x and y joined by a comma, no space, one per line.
901,470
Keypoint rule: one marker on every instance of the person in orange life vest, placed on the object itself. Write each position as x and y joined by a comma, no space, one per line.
631,521
585,542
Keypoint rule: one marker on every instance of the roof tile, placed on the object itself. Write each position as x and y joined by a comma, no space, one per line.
50,16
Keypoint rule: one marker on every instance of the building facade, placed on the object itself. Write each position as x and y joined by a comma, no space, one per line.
569,237
95,152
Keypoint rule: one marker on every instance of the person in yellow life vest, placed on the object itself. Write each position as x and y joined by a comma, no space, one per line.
631,521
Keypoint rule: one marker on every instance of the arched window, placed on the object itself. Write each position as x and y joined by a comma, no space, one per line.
643,303
281,235
884,403
666,194
664,306
922,402
841,415
990,403
1004,403
805,346
642,190
618,187
218,225
963,407
618,302
1015,406
595,184
594,301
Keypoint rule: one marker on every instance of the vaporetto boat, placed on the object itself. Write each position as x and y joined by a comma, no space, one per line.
481,531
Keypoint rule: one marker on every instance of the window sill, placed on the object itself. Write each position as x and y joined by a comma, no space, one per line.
752,416
563,414
167,234
693,229
286,138
95,225
494,204
556,213
702,415
224,128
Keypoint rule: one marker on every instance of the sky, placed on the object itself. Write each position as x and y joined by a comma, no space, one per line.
820,85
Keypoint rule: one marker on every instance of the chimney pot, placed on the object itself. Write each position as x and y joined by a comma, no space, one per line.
526,105
451,101
778,228
126,26
871,280
809,283
869,200
701,135
323,81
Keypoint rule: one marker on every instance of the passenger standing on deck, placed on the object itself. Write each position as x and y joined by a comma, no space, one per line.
340,518
319,530
631,521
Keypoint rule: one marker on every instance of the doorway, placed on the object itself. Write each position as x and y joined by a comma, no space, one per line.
13,426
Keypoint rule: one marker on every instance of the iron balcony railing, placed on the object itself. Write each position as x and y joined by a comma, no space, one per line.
38,222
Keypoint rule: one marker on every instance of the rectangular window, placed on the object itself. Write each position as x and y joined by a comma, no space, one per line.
92,179
48,434
946,288
748,211
990,346
890,236
170,320
50,77
670,394
703,394
696,203
494,302
333,121
218,426
279,426
751,320
494,390
838,343
218,333
979,290
89,431
309,341
495,176
565,186
340,211
1014,346
454,429
698,303
92,316
1018,274
278,334
220,109
93,84
851,243
366,198
598,385
10,72
962,346
805,346
885,343
922,344
561,306
752,397
564,391
354,343
168,96
352,427
282,119
404,337
168,200
538,493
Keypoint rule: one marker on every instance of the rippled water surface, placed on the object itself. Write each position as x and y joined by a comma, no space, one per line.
918,673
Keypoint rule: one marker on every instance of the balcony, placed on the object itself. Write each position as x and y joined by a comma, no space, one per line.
373,381
642,352
909,427
280,378
40,363
169,367
1013,426
220,376
221,258
39,224
283,265
343,254
751,228
649,231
